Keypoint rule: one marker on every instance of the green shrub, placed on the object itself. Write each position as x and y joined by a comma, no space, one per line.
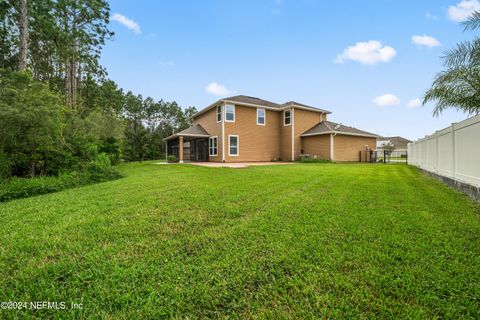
97,171
5,166
111,146
101,169
172,158
313,160
15,188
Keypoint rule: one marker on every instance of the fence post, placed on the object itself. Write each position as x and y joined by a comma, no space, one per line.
436,153
454,151
426,153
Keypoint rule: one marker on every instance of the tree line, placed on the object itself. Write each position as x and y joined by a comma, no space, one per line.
58,108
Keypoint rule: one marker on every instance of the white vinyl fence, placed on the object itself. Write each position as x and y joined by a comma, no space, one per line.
453,152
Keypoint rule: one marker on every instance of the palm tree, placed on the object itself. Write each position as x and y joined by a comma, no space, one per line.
458,86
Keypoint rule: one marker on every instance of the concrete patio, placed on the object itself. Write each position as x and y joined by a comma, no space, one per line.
237,164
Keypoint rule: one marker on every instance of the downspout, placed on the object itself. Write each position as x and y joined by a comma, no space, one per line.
223,131
293,133
331,146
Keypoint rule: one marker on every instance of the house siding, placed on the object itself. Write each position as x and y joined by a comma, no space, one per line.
285,140
317,146
256,142
304,120
208,121
347,148
273,141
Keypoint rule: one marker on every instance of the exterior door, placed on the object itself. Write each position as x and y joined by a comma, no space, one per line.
201,150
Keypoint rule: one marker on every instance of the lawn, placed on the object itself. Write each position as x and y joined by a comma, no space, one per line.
296,241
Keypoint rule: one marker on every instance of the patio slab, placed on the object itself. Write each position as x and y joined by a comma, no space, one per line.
237,164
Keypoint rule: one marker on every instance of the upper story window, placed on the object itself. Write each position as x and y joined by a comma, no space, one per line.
261,117
287,117
229,113
219,113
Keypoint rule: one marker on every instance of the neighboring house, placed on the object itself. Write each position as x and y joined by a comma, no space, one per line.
398,143
243,128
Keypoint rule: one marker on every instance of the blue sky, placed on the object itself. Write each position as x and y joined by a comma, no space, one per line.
355,58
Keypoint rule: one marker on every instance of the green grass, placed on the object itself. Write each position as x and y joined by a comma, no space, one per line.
293,241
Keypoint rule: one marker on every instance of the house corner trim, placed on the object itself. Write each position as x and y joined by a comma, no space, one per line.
292,114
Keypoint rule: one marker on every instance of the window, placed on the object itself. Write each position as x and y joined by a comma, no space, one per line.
287,117
233,145
219,113
229,113
261,117
213,146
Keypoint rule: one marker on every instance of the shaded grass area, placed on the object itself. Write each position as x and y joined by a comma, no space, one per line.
296,241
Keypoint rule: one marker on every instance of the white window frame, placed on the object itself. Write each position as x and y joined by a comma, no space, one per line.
264,117
211,146
219,113
284,118
225,116
238,145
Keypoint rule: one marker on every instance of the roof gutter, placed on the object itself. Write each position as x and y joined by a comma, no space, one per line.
292,105
338,132
173,136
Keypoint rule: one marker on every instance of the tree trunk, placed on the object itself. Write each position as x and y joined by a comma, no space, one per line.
23,28
74,82
32,163
67,82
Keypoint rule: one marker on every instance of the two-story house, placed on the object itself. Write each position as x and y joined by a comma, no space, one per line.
243,128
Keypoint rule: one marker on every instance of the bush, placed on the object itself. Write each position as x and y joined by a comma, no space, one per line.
101,169
172,159
5,166
97,171
15,188
111,147
313,160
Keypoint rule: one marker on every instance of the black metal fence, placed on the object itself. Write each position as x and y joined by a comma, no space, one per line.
384,156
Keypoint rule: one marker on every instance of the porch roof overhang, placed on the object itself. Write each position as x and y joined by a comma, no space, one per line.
196,131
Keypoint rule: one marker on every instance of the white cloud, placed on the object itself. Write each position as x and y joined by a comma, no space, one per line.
217,89
426,41
415,103
166,63
462,10
370,52
277,7
129,23
386,100
430,16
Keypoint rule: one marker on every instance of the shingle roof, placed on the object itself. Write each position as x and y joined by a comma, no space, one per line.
303,105
253,100
326,127
194,131
398,142
261,102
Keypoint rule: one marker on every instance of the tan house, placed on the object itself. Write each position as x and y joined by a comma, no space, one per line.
242,128
396,143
